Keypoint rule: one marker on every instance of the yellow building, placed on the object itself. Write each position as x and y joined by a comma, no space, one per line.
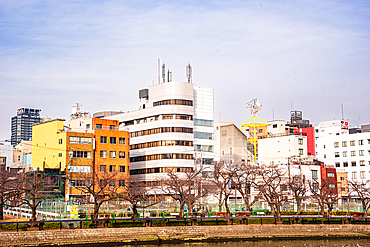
97,146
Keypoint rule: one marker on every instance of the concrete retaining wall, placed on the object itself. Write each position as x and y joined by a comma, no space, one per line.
186,233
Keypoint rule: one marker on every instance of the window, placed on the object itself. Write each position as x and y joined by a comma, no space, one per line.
60,155
112,140
352,143
122,169
112,183
354,175
362,162
121,183
274,126
362,175
103,139
336,154
353,163
112,154
74,139
360,142
336,144
300,141
344,144
166,117
361,153
79,140
82,154
85,140
173,102
314,174
353,153
330,174
201,122
332,186
300,151
112,127
344,153
112,168
60,141
99,126
203,135
341,178
342,189
345,164
103,154
103,168
122,141
337,164
103,183
121,154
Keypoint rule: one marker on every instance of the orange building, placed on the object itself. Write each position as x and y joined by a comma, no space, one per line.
86,148
110,152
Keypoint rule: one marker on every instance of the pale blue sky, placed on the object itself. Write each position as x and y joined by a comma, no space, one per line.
314,54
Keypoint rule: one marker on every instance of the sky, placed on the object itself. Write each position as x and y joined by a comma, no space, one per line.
311,56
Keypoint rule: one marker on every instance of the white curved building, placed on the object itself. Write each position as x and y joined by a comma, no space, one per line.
173,128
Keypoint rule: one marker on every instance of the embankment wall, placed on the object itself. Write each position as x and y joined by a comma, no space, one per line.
186,233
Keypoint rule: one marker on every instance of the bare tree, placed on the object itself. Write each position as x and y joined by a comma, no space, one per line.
298,187
186,187
362,190
9,190
271,186
33,190
244,179
138,193
222,179
324,192
97,188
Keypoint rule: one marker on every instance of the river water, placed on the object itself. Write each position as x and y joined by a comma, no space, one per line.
278,243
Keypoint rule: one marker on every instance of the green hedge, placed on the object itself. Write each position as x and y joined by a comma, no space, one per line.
52,225
21,226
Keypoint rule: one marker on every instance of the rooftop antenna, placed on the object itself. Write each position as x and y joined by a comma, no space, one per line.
189,72
77,113
159,71
342,111
164,73
169,76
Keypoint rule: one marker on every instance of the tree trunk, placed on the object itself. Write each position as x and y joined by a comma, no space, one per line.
33,208
322,209
134,210
364,207
1,208
298,207
96,211
272,206
182,204
1,211
220,203
227,207
278,210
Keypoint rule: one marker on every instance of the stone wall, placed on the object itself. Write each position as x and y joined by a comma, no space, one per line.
186,233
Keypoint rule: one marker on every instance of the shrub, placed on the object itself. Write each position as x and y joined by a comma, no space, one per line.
51,225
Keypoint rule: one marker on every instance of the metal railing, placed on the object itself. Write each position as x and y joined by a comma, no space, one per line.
177,221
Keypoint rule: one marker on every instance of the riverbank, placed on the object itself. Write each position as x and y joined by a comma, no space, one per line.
155,235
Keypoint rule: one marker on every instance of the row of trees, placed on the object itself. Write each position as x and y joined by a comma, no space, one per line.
273,185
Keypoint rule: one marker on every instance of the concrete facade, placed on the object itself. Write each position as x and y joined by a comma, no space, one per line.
173,129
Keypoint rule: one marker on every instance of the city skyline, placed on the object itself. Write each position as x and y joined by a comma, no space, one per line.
312,56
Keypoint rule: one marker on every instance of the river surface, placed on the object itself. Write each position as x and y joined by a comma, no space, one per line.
278,243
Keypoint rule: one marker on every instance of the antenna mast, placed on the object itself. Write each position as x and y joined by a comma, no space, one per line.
189,72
